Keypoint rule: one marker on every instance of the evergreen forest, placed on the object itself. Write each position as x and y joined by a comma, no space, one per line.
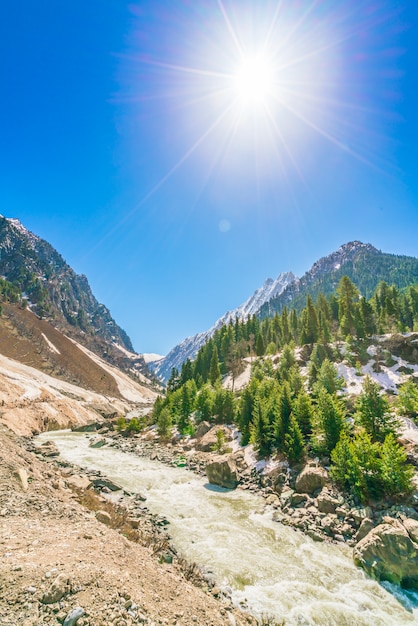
294,403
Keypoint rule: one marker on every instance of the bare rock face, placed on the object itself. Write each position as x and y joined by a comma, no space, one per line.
208,442
390,552
222,471
311,479
202,429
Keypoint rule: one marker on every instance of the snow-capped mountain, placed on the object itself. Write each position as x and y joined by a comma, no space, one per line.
189,347
364,264
55,293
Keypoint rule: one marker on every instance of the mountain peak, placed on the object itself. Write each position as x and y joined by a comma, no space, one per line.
189,347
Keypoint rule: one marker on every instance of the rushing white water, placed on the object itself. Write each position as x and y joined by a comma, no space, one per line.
274,569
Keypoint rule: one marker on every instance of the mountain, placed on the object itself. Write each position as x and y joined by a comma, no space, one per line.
361,262
189,347
55,293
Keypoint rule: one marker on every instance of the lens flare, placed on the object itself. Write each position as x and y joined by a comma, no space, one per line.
254,80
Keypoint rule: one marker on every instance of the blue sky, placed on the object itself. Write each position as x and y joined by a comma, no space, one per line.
128,144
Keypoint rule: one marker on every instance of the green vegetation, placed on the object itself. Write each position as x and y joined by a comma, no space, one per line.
284,411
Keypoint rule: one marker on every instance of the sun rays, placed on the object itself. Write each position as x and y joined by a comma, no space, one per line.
269,80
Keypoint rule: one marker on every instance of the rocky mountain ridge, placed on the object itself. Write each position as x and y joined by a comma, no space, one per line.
189,347
364,264
55,293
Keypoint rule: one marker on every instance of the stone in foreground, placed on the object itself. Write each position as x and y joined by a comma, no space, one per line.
222,471
390,552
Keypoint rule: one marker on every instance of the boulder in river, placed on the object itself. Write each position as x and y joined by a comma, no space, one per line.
390,552
222,471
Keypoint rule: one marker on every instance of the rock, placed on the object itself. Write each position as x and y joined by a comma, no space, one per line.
106,482
276,477
326,502
365,527
390,552
97,443
360,513
202,429
73,616
48,449
411,526
78,482
86,428
209,440
311,479
286,496
222,471
23,477
298,498
103,517
57,590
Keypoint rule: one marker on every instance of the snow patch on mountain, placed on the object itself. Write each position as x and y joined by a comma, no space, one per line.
189,347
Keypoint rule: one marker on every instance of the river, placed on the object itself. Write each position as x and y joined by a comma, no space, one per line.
273,569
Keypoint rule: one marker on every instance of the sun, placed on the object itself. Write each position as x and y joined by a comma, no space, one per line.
254,80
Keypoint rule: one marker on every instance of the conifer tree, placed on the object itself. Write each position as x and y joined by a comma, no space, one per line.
245,411
259,430
174,380
214,372
259,345
328,378
282,424
396,474
348,295
164,423
294,446
302,411
204,404
286,362
407,403
328,422
310,330
373,412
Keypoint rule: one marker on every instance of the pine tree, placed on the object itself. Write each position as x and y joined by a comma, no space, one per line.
174,380
204,404
348,295
310,329
259,345
373,412
259,430
396,474
356,466
245,412
286,362
407,403
328,378
214,371
164,424
302,411
294,446
328,422
282,424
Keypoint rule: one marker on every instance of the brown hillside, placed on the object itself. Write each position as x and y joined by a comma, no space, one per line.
32,341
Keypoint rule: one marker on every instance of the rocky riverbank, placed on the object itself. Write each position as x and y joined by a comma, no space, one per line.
304,498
